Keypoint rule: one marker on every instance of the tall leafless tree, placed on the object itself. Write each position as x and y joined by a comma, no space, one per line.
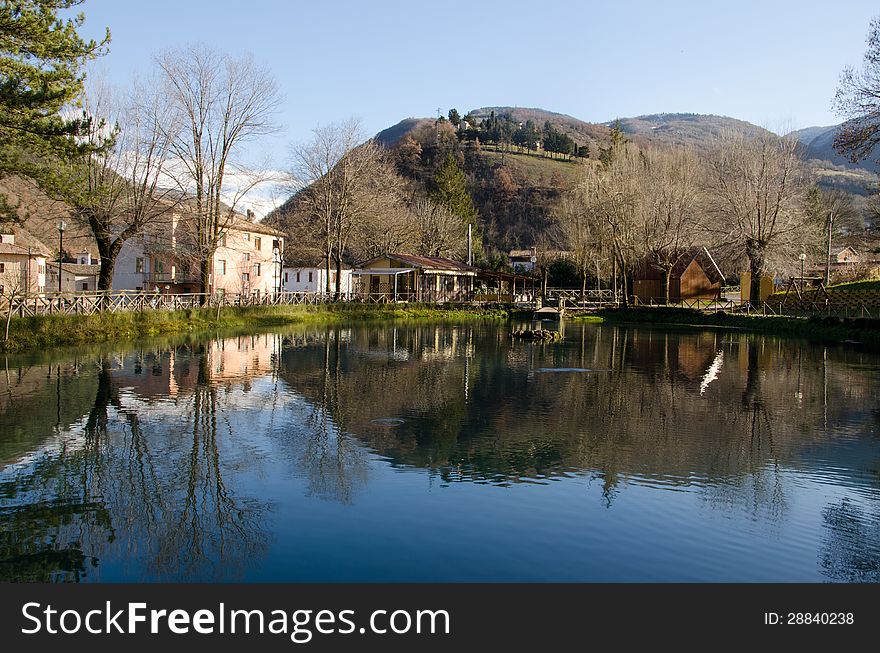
755,200
858,100
221,103
349,183
114,186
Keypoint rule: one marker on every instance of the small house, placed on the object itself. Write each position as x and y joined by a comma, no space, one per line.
314,280
694,275
407,277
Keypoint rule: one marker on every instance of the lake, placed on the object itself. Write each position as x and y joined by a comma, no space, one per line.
442,452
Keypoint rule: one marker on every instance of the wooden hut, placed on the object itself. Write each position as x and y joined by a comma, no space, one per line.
694,276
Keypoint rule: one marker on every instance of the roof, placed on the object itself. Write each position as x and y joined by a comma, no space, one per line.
24,241
704,259
78,268
240,223
425,262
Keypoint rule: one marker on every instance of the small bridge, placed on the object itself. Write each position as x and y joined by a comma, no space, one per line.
567,300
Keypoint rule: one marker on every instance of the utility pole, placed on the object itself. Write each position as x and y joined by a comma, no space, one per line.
828,252
470,247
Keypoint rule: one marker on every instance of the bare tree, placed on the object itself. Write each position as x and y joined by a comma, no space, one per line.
756,189
349,182
670,224
439,230
582,230
835,211
858,100
612,198
221,103
113,186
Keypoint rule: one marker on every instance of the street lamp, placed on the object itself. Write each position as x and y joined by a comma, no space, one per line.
276,255
62,225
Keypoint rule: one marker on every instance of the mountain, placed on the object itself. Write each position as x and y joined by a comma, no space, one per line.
391,136
684,129
819,144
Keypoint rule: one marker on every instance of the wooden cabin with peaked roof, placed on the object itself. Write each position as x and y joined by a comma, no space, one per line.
410,278
695,275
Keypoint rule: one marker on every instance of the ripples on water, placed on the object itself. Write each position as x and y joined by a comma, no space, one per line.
438,452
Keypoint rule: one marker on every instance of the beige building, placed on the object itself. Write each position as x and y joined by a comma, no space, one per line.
248,260
22,263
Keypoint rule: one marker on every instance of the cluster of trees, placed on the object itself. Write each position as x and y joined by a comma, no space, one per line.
503,131
749,199
127,159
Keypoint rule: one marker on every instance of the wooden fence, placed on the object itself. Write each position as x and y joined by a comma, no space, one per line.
571,300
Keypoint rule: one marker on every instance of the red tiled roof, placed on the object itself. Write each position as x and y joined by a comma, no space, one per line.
427,262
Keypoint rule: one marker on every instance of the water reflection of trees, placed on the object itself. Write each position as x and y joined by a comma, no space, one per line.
494,414
141,456
155,489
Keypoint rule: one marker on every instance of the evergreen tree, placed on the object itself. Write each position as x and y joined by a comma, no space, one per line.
41,71
454,117
449,188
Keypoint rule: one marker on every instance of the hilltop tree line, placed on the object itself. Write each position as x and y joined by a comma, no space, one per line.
504,132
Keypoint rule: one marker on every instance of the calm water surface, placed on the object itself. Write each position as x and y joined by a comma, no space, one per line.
433,452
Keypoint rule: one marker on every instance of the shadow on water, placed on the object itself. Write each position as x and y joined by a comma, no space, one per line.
161,461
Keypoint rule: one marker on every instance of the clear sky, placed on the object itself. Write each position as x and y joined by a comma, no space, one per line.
773,63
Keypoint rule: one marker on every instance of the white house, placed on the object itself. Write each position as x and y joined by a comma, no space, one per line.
304,279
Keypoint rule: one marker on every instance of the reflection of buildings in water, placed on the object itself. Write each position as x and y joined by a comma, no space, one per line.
165,373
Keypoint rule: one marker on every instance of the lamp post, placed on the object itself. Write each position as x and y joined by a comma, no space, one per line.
62,225
276,255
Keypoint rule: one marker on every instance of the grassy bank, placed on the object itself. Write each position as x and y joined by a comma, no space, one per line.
64,330
823,328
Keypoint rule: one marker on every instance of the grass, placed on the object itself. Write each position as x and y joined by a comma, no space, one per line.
32,333
534,167
853,295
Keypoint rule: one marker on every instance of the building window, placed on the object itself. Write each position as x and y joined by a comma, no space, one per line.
2,289
85,285
41,269
2,268
139,265
222,240
247,257
256,269
257,243
310,277
159,266
221,267
245,278
285,277
297,277
247,237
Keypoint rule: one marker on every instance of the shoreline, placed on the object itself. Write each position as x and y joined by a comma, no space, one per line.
50,331
34,333
829,329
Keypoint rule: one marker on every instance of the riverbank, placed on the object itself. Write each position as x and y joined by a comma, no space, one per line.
823,328
32,333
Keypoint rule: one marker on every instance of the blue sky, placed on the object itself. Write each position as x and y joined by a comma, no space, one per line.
772,63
